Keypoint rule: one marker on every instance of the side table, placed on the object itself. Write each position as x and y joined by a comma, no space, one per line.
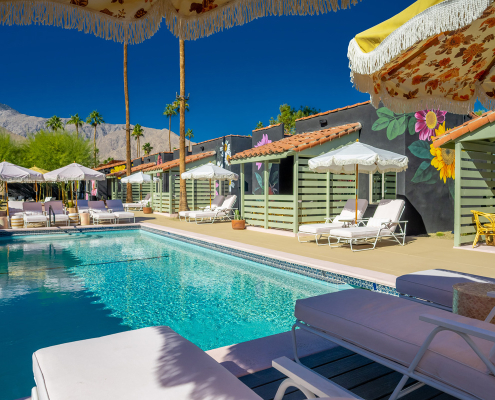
471,299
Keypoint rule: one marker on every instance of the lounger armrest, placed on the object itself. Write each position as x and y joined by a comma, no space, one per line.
458,327
310,380
329,219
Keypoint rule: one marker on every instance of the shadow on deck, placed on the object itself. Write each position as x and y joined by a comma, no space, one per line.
366,378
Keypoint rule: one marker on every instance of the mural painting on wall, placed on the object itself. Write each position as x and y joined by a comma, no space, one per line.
223,161
439,164
273,173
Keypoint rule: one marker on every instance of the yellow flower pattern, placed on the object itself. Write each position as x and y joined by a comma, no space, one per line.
443,159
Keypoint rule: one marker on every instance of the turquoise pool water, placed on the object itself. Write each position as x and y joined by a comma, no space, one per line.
60,288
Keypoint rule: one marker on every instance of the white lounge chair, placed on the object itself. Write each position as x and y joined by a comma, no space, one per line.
138,205
117,208
216,202
153,363
318,230
383,225
224,211
33,214
449,352
48,199
58,210
99,212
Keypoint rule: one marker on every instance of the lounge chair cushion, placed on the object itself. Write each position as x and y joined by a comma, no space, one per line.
319,228
387,210
390,327
35,218
103,215
349,210
148,363
359,232
206,214
124,215
435,284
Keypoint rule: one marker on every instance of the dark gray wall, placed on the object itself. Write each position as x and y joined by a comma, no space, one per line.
429,204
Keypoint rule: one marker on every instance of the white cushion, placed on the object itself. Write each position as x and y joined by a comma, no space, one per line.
103,215
349,210
377,222
205,214
61,217
359,232
35,218
124,215
319,228
149,363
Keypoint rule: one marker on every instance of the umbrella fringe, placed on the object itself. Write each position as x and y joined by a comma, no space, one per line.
446,16
237,12
364,83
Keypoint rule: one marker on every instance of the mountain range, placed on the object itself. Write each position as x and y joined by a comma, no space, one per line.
110,138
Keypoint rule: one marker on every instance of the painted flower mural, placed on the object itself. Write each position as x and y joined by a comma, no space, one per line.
443,159
273,173
264,140
225,154
427,121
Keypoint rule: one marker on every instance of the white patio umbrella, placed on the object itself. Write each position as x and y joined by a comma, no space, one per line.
209,172
359,157
74,172
13,173
140,178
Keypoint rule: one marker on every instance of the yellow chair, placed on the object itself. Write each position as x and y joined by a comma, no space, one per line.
483,229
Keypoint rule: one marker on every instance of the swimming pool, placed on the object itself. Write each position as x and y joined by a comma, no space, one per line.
61,288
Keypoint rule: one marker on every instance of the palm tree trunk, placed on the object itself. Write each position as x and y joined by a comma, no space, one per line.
169,127
182,142
77,131
127,128
94,145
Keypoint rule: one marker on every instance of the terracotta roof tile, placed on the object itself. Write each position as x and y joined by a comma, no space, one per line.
266,127
110,164
299,142
175,163
332,111
133,169
466,127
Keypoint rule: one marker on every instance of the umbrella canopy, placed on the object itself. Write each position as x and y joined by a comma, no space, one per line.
209,172
369,159
40,170
14,173
74,172
436,54
137,20
358,157
138,177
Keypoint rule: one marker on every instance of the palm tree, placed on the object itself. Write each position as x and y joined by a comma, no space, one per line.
127,129
170,111
190,135
182,138
137,132
147,149
94,119
78,122
54,123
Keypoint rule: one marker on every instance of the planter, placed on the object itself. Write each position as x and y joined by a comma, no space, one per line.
238,224
147,210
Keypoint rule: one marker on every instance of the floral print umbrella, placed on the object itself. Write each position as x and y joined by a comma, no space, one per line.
133,21
435,55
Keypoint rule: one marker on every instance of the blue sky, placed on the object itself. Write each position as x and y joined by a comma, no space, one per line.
235,78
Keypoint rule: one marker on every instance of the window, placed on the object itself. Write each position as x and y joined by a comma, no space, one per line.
382,186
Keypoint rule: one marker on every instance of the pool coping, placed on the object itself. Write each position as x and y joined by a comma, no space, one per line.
318,269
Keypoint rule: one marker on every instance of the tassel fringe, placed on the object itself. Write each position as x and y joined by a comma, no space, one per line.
446,16
236,12
364,83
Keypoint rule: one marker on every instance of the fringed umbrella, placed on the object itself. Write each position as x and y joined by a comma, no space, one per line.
41,171
139,177
436,54
134,21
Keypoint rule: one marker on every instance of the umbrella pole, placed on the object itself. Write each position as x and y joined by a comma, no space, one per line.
140,192
357,187
210,194
7,197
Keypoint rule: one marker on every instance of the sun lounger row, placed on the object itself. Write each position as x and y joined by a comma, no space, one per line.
54,212
385,224
452,353
221,208
138,205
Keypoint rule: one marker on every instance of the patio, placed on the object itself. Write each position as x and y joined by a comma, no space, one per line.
387,261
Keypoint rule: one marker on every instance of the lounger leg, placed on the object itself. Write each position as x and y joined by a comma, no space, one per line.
294,345
287,383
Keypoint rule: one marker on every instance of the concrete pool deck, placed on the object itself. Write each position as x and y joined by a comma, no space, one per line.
386,262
